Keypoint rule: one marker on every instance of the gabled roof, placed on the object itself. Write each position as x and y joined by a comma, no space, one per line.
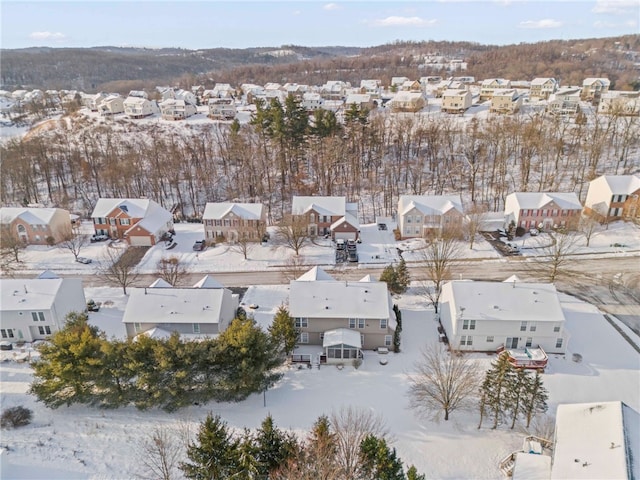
619,184
533,200
208,282
367,278
542,80
323,205
133,207
160,283
155,219
348,218
28,294
48,274
342,336
316,273
32,216
591,80
247,211
429,204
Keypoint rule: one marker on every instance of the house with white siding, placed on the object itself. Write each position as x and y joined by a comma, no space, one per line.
424,215
542,210
614,197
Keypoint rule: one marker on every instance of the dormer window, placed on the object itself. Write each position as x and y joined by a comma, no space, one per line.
124,208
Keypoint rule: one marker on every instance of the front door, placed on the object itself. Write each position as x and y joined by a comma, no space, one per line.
512,342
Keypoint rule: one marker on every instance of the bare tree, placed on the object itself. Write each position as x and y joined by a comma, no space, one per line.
443,381
588,226
160,454
556,255
72,240
437,258
476,215
119,268
294,267
10,247
351,426
293,231
171,269
243,245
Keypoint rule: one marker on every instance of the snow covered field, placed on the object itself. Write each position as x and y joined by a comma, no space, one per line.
79,442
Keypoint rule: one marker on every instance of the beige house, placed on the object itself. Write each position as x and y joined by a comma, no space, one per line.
407,102
343,317
456,101
613,197
173,109
424,215
490,85
139,107
233,221
222,108
361,100
593,88
566,101
541,88
542,210
411,86
36,226
616,102
506,101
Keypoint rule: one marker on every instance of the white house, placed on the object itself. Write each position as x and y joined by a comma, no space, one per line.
485,316
173,109
612,197
222,108
421,215
566,101
490,85
312,101
616,102
204,310
593,88
233,221
542,210
111,105
139,107
33,309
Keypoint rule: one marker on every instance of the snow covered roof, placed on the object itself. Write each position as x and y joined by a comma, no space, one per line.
511,279
28,294
542,80
429,204
342,336
248,211
357,98
208,282
135,101
340,299
514,301
48,274
155,219
316,273
534,200
591,80
32,216
160,283
596,441
367,278
322,205
134,207
619,184
348,218
531,466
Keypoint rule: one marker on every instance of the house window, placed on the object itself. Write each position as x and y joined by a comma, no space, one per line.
137,327
46,330
383,323
301,322
37,316
466,340
559,343
468,324
6,333
387,340
529,342
112,221
304,337
196,328
418,219
356,323
556,329
490,339
125,221
409,217
523,326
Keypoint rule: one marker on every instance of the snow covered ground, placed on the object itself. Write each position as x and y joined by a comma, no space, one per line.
80,442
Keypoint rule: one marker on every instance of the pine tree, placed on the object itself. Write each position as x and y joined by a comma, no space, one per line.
403,279
389,276
273,447
248,463
495,387
283,330
214,455
516,393
378,461
536,397
412,474
398,330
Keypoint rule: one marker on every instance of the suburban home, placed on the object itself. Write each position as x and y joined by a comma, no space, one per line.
614,197
490,85
506,101
541,88
593,88
32,309
398,81
294,89
92,102
222,108
489,316
372,87
173,109
334,90
233,221
36,226
139,107
312,101
566,101
448,84
140,221
321,213
615,102
344,317
424,215
111,105
456,101
361,100
411,86
204,310
223,90
407,102
138,93
542,210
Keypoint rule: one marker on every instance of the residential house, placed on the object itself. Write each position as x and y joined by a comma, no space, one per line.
542,210
111,105
616,102
36,226
320,213
613,197
138,94
372,87
187,96
448,84
343,317
490,85
361,100
222,108
141,222
506,101
425,215
456,101
346,227
566,101
295,90
92,102
33,309
407,102
139,107
204,310
487,316
593,88
334,90
251,92
541,88
396,82
223,90
465,80
173,109
411,86
233,221
312,101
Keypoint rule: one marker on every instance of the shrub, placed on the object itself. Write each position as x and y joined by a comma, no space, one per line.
15,417
50,241
357,362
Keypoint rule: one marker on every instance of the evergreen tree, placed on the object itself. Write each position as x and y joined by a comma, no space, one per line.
214,455
516,393
248,463
403,279
495,399
536,397
273,447
390,277
115,379
398,330
283,331
412,474
378,461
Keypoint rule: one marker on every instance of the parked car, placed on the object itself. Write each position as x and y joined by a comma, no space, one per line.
93,306
382,226
340,244
99,238
84,260
199,245
533,232
351,245
6,346
353,256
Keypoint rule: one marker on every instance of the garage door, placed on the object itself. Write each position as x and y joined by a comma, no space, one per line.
345,235
139,241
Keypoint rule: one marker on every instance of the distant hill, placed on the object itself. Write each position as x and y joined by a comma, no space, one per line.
125,68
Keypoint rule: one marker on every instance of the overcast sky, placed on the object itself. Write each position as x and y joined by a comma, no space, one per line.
240,24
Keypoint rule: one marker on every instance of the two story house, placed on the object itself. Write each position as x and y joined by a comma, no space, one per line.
566,101
490,85
593,88
142,222
456,101
425,215
343,317
407,102
321,213
486,316
542,88
542,210
112,105
615,102
506,101
33,309
139,107
612,197
175,109
36,226
233,221
222,108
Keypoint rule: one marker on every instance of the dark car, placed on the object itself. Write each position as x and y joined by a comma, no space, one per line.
93,306
199,245
353,256
84,260
99,238
382,226
351,245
